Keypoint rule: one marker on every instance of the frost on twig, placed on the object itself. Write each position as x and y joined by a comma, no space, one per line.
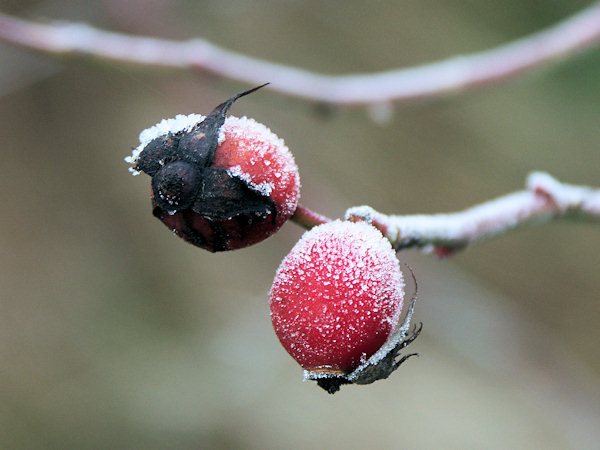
376,90
544,200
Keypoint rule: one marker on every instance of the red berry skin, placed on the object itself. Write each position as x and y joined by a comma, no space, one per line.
337,296
254,154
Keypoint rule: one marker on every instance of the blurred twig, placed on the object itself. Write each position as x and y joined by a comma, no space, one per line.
544,200
402,85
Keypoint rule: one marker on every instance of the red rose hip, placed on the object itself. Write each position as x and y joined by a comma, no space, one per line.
220,183
337,297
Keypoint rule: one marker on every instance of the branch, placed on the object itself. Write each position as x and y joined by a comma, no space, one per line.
544,200
402,85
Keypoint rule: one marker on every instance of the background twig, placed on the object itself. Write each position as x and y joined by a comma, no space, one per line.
430,80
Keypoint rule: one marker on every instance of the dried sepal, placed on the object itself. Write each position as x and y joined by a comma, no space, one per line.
379,366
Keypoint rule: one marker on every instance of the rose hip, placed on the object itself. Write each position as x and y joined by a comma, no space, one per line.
337,297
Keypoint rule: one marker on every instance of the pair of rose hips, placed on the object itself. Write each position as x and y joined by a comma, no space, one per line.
223,183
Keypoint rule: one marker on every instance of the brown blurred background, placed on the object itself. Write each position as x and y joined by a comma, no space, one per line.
116,334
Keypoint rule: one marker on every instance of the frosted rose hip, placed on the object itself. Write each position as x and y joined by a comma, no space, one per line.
219,183
337,296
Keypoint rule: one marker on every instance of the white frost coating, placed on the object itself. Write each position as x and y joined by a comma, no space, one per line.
564,195
237,171
364,212
474,224
175,125
308,375
478,222
264,188
545,199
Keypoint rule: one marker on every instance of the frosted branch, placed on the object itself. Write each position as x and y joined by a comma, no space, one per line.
401,85
544,200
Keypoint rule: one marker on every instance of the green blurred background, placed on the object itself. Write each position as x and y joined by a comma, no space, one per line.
116,334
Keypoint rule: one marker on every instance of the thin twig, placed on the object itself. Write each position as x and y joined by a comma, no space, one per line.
307,218
544,200
401,85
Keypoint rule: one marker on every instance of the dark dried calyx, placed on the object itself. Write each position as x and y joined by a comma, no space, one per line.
182,176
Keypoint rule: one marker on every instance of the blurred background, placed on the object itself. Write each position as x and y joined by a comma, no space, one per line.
115,333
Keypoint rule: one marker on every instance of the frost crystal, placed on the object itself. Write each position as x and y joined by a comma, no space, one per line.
264,187
173,126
